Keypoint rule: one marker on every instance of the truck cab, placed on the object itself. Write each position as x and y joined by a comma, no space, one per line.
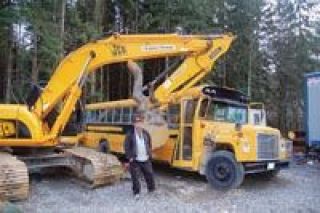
217,140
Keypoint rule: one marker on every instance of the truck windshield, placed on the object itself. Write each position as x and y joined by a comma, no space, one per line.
225,112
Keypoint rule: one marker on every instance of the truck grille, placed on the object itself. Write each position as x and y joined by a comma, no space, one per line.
267,146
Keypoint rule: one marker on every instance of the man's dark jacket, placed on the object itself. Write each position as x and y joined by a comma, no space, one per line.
130,144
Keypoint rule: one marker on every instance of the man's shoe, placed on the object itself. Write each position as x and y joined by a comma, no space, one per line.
151,190
137,196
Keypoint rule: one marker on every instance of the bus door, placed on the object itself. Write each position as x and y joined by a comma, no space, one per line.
183,154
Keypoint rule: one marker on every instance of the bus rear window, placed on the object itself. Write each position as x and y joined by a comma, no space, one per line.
117,115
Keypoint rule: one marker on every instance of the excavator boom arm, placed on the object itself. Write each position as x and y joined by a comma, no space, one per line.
65,86
117,48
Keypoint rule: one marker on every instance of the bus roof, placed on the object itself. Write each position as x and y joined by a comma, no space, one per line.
221,93
225,93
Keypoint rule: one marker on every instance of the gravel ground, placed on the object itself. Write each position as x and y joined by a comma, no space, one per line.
294,190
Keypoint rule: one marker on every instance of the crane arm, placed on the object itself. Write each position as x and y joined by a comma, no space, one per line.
117,48
67,81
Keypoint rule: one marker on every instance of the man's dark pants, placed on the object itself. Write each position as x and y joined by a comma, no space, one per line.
146,170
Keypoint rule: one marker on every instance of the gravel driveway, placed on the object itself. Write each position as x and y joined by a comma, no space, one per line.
294,190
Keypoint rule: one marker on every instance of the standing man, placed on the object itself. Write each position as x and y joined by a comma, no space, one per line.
138,150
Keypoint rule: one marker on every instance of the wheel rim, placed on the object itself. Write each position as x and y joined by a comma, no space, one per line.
222,171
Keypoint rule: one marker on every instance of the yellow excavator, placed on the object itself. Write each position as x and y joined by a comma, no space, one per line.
30,135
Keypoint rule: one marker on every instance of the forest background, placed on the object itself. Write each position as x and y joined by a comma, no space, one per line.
278,41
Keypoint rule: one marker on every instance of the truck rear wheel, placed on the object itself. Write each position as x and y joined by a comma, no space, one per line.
223,171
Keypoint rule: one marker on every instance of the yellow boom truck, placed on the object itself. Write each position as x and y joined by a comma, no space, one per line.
31,132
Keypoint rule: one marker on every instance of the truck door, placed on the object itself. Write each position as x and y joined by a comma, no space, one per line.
183,154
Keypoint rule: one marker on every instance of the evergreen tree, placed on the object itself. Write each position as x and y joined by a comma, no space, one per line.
277,42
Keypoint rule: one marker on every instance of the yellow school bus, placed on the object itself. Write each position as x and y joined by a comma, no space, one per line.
209,133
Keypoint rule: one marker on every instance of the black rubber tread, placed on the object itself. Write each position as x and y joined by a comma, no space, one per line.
236,171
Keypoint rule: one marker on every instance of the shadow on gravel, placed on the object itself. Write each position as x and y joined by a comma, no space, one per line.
170,179
251,182
167,171
50,174
255,182
59,176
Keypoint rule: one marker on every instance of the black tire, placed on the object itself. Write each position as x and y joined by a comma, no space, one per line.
104,146
223,172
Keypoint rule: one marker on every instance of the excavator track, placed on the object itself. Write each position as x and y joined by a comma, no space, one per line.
95,167
14,178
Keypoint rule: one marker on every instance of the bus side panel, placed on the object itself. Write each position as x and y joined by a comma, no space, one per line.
92,140
166,152
116,142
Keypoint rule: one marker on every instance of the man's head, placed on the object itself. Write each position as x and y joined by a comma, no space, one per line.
138,119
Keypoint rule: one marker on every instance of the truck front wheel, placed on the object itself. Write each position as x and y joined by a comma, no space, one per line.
223,171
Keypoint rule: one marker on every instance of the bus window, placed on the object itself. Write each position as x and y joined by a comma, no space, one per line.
106,112
256,119
189,110
219,111
95,114
204,108
109,116
224,112
174,115
126,115
133,112
102,115
117,115
88,116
